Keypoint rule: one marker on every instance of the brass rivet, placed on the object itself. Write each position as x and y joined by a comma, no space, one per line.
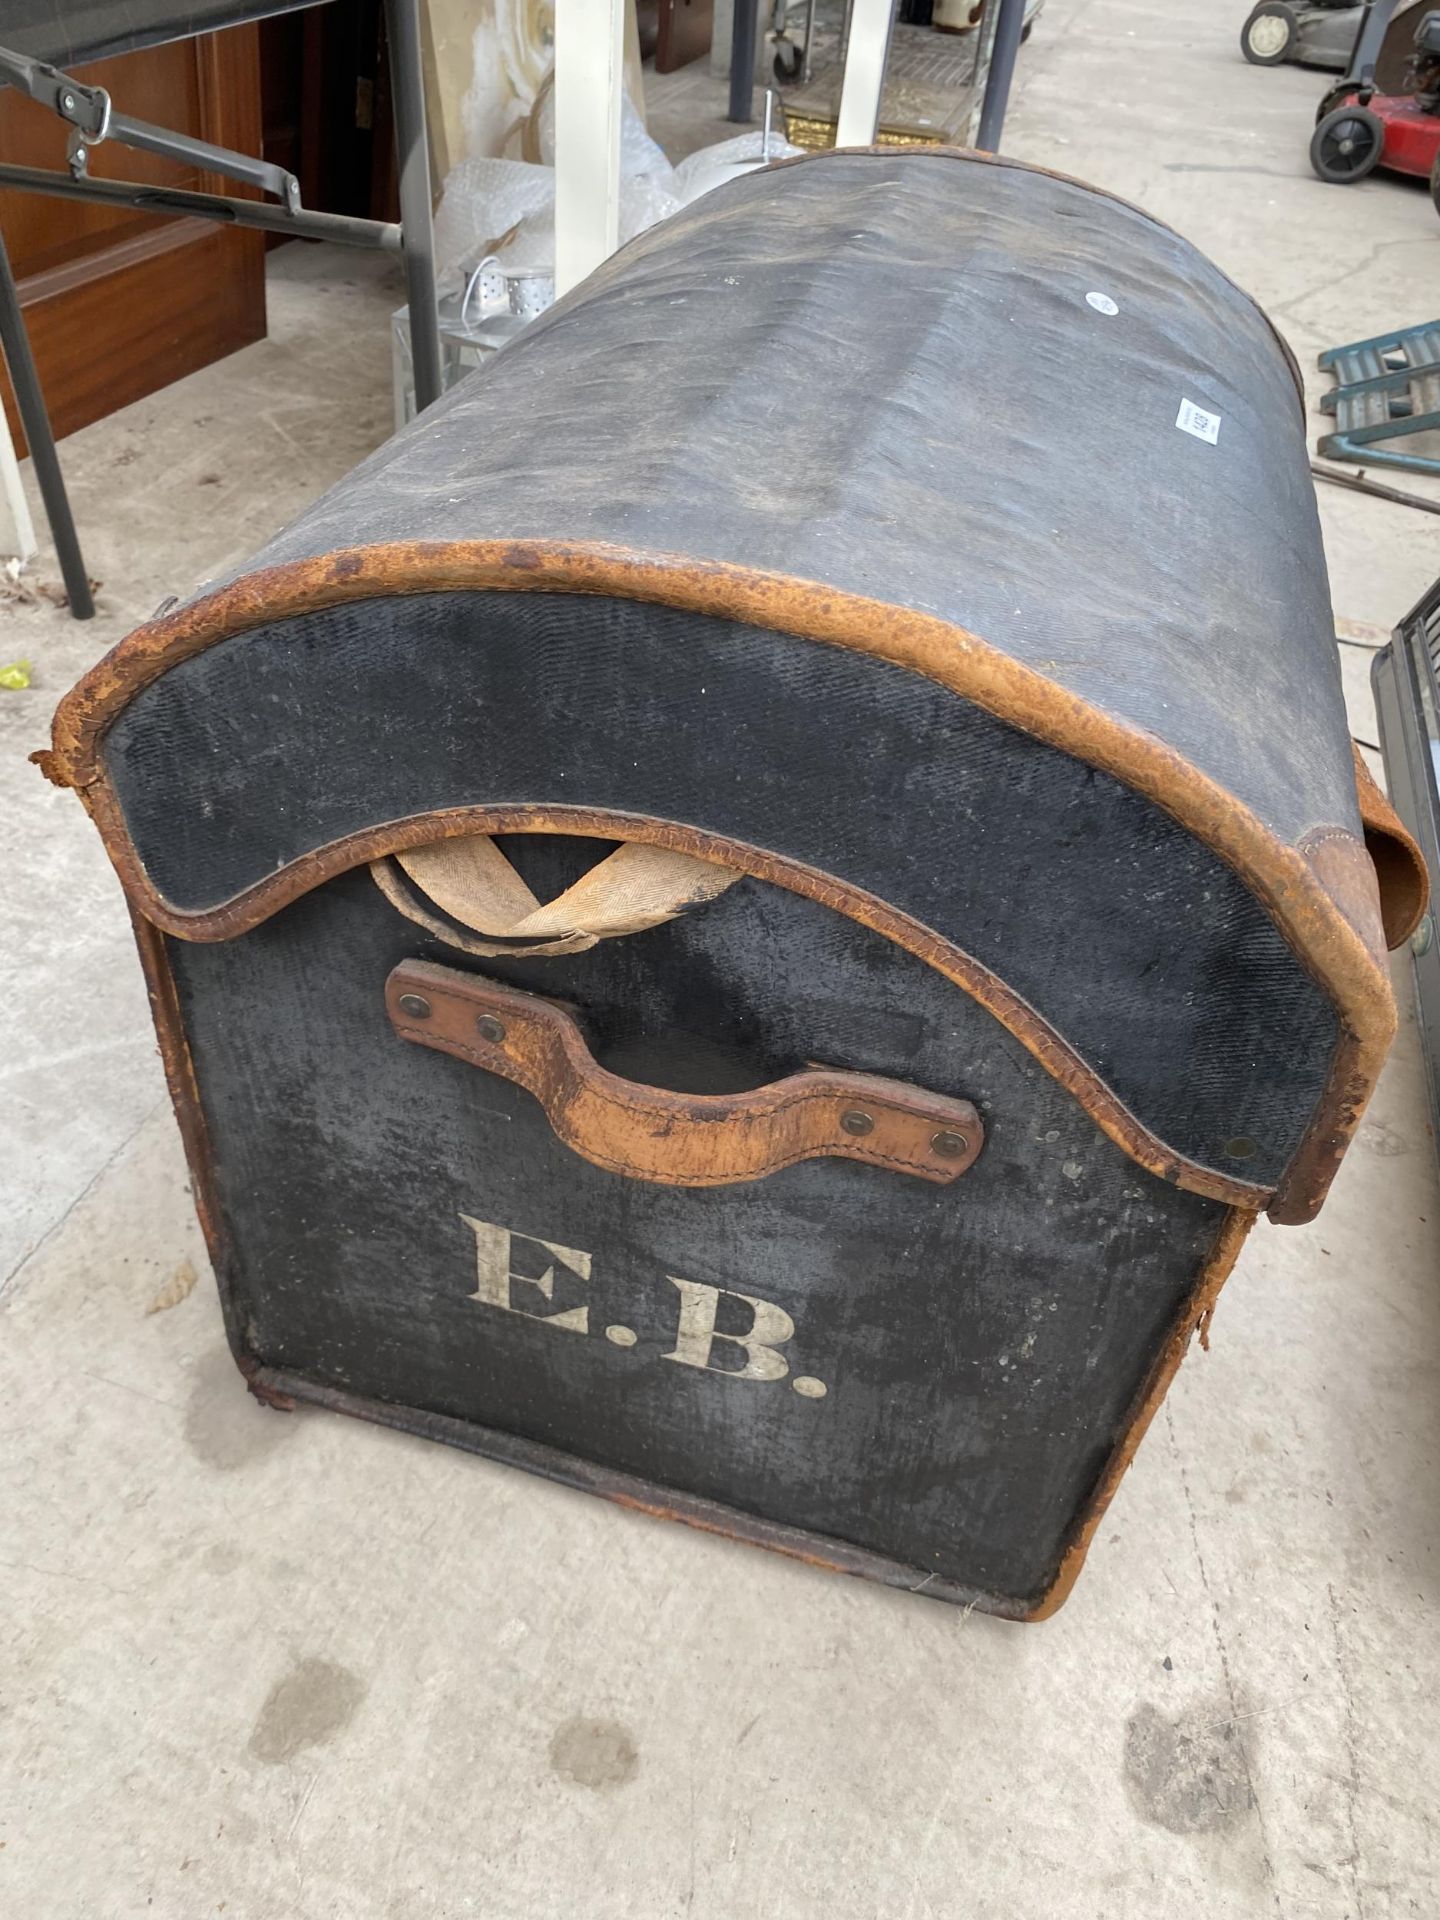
857,1122
949,1146
489,1028
1242,1147
413,1006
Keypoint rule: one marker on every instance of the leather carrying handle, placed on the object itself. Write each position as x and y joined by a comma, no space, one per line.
676,1139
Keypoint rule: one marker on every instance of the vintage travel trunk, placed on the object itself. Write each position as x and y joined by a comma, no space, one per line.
746,915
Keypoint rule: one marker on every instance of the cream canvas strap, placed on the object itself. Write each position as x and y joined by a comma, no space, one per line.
475,887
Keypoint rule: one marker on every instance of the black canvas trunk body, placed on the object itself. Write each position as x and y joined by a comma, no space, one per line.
902,571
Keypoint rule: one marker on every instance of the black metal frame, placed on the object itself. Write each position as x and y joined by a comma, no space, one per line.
1407,711
743,44
1358,78
1009,31
92,119
30,403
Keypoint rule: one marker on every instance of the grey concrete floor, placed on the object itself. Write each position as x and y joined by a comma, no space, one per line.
290,1668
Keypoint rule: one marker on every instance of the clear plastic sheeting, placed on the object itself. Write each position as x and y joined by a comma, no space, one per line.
711,167
489,204
495,232
507,207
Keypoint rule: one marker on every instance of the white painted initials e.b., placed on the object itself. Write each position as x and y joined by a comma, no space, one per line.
494,1276
696,1334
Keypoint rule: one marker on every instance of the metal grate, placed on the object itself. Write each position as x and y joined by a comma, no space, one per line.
1387,388
928,95
1430,622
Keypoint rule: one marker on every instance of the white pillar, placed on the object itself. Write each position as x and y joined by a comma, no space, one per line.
17,530
589,88
865,58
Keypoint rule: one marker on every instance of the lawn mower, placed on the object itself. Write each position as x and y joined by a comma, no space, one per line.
1312,33
1385,112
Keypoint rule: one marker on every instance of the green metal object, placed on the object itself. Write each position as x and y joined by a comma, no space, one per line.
1386,389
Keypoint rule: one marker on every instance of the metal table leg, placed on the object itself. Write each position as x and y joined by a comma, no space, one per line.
408,86
742,63
1008,30
15,344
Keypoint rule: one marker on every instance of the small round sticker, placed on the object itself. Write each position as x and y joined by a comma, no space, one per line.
1102,303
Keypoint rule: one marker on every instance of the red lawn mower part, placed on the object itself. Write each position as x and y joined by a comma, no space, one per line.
1359,128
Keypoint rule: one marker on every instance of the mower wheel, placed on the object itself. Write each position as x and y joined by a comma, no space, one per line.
1267,38
1347,145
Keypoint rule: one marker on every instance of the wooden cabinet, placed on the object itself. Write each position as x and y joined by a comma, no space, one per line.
118,303
325,88
684,30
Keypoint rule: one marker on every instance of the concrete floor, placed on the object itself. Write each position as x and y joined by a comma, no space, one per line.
293,1667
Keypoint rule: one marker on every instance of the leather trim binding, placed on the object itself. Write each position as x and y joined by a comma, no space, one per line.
180,1081
1395,854
678,1139
1333,949
1017,1016
1195,1317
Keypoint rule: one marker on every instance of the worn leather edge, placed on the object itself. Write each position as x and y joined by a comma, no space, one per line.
1194,1316
1016,1015
822,1553
1312,921
180,1081
1400,870
677,1139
